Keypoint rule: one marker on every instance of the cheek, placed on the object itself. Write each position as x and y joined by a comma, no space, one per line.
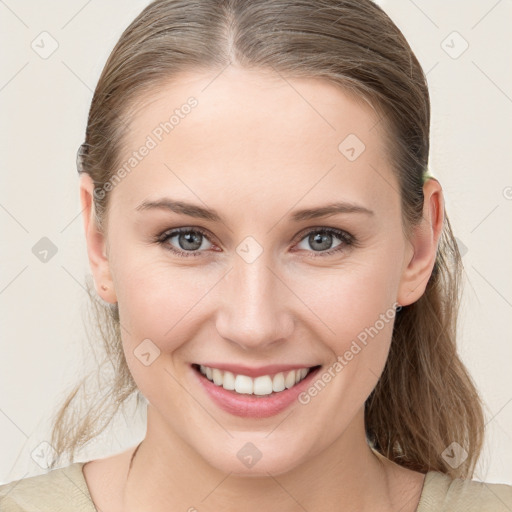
357,313
353,297
160,300
156,310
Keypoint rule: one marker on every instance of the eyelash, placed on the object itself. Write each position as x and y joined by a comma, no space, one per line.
346,238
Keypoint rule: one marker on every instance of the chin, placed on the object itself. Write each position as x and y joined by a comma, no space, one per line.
259,469
254,459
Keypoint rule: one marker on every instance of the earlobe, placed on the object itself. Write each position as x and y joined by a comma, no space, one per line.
96,243
424,242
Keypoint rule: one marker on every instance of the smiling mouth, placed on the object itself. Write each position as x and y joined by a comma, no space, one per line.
263,385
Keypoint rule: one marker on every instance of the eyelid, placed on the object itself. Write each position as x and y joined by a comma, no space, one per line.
346,238
172,232
348,241
338,231
183,229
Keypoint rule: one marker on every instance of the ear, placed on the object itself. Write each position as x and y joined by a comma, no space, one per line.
424,242
96,243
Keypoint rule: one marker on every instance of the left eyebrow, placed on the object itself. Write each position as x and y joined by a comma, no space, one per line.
193,210
330,209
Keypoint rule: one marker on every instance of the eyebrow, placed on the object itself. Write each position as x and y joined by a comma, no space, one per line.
192,210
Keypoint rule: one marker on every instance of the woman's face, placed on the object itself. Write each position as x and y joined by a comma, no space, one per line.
255,284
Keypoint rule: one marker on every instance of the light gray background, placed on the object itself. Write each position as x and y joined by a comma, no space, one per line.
44,104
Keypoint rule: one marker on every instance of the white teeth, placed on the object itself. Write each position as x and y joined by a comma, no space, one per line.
289,381
278,382
243,384
217,376
263,385
229,381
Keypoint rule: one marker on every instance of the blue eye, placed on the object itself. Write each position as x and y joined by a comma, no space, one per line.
319,238
190,241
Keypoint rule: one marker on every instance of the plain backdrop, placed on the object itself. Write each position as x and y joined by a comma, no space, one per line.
463,46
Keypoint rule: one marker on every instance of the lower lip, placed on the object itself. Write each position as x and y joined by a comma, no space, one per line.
254,406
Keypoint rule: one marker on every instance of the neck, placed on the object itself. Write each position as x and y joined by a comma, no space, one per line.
348,476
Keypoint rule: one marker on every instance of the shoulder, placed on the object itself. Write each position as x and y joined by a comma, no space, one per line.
58,489
442,493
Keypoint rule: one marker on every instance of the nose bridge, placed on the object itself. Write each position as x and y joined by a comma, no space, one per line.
253,312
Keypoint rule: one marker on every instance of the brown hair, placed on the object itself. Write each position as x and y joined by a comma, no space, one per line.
425,398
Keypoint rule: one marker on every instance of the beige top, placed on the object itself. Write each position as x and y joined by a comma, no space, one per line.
65,489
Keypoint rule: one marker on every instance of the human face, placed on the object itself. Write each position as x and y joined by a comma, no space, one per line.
255,289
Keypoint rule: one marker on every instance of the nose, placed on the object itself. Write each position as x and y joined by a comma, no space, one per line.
255,306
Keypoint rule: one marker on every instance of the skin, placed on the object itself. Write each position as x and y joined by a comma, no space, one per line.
256,148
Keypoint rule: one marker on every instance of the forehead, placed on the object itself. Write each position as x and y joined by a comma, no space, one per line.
252,135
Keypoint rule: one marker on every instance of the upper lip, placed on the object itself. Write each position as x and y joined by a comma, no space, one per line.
239,369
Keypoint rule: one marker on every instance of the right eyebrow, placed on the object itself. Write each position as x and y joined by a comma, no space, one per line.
181,207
